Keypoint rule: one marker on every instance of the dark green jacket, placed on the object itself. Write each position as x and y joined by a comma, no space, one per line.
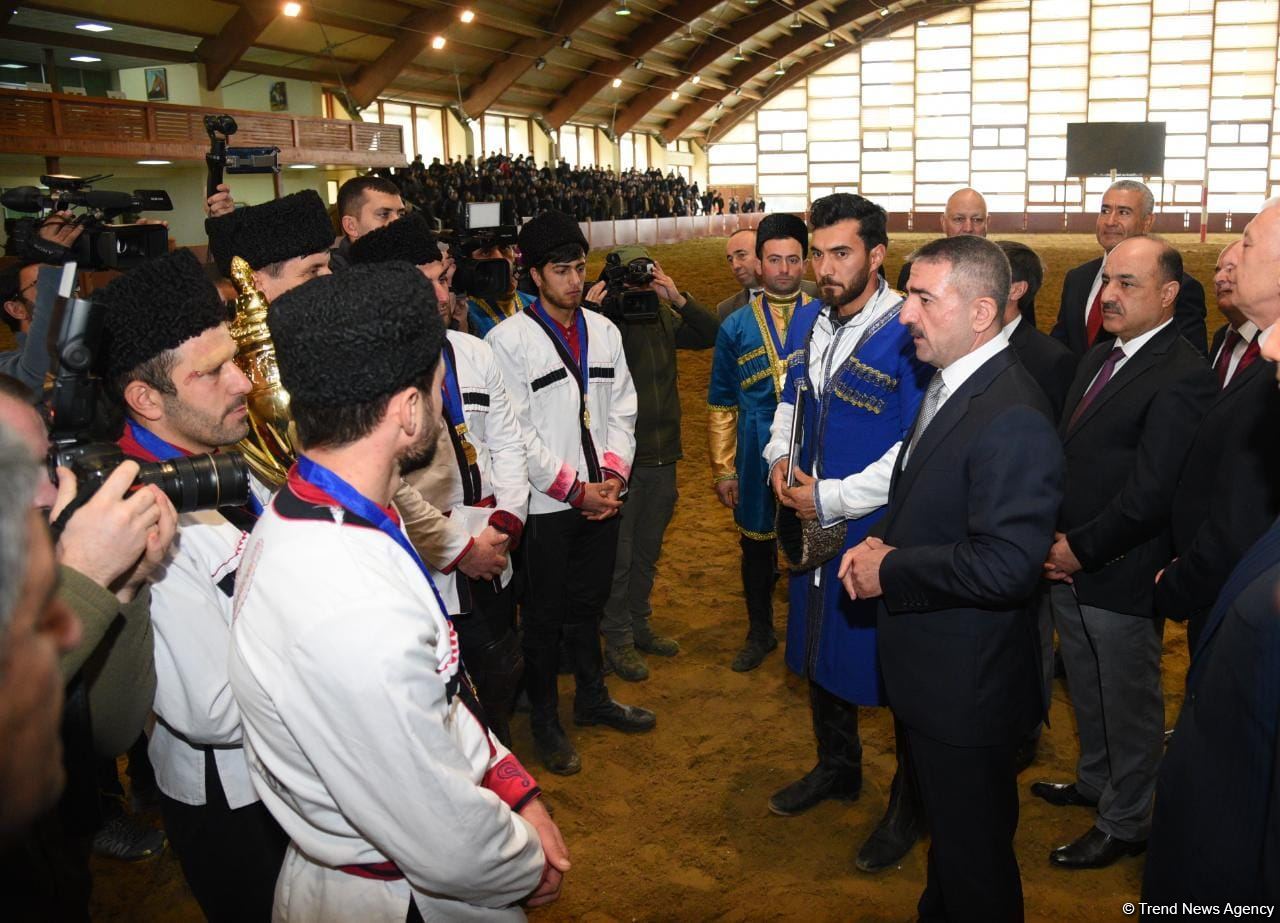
651,356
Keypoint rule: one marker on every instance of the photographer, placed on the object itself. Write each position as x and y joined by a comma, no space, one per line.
170,368
484,314
108,552
28,304
650,343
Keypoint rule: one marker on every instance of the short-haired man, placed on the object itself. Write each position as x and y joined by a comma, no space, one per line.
1213,836
343,658
1129,420
1048,360
365,203
955,562
1235,344
36,629
747,375
171,369
480,479
566,373
965,213
285,241
853,375
1128,210
740,251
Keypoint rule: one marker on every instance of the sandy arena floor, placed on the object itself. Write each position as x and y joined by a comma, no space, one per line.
673,825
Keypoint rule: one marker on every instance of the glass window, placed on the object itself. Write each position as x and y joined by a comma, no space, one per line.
401,114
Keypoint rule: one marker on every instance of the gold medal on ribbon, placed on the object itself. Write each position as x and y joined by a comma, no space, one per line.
467,448
586,418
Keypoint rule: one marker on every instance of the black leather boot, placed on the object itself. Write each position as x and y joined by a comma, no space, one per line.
759,576
496,667
838,774
903,820
591,702
553,746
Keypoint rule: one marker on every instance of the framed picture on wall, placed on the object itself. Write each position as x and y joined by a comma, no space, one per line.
279,96
157,84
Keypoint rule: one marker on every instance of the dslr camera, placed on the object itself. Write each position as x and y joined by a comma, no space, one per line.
198,482
627,296
222,159
101,245
482,226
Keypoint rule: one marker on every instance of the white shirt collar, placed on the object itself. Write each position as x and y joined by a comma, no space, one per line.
1132,346
958,372
1247,331
1262,337
876,305
1012,325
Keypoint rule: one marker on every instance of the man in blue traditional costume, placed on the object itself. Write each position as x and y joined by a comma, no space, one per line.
746,380
853,373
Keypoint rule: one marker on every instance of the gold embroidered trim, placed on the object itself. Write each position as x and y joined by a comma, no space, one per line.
859,399
759,376
872,376
754,354
758,536
727,408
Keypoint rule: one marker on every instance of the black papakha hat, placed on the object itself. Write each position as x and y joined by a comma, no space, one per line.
408,240
547,232
778,226
156,307
356,336
296,225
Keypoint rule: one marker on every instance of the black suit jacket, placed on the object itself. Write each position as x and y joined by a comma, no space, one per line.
1123,459
1227,494
1188,311
971,519
1216,831
1050,363
1216,343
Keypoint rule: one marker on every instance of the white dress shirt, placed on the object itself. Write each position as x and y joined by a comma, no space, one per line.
1246,331
1130,350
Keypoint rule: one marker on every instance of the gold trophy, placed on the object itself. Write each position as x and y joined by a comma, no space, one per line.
269,448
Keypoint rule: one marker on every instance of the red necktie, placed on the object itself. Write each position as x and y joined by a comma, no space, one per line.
1104,375
1224,356
1093,321
1251,352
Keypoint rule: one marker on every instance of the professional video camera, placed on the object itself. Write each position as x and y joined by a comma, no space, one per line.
482,226
101,245
627,296
197,482
222,159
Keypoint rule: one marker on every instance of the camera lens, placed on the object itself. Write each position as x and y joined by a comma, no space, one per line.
200,482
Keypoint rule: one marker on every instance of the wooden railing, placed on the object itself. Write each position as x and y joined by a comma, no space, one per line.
56,124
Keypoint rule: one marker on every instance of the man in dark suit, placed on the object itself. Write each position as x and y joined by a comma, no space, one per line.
1049,362
1128,210
1227,493
1129,419
740,251
972,505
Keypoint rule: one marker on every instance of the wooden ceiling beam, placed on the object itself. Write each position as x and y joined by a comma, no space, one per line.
219,53
503,73
416,31
716,47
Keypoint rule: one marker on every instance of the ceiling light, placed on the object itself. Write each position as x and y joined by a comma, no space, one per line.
566,42
154,163
15,67
737,91
739,56
617,82
467,16
795,22
93,27
830,42
292,8
752,2
884,11
697,79
438,42
779,70
622,9
302,166
539,64
85,59
675,94
639,63
921,23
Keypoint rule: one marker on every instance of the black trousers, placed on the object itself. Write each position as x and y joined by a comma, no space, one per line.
231,858
491,651
568,576
970,797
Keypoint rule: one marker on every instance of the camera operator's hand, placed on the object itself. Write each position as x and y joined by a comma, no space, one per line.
595,294
665,287
487,557
117,539
60,228
220,203
727,492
